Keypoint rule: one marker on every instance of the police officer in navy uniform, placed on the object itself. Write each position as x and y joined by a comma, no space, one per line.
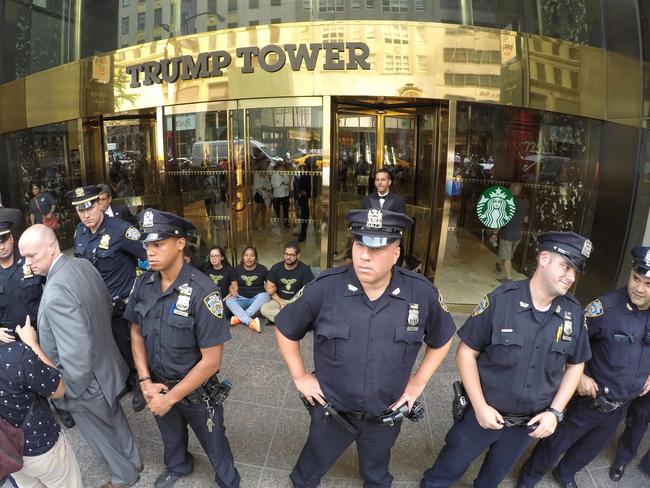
113,246
521,356
369,321
20,289
617,372
178,331
634,317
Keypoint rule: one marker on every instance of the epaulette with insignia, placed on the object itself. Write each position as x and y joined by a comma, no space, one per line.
214,304
442,302
481,307
132,233
594,309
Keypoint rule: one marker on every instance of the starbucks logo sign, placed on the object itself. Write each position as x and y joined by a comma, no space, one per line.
496,207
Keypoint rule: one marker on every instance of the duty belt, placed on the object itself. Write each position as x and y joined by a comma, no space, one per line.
512,420
194,397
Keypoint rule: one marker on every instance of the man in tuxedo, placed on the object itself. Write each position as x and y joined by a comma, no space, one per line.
383,198
119,211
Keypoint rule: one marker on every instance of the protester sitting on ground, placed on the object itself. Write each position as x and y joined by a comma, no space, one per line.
285,280
29,378
220,271
249,292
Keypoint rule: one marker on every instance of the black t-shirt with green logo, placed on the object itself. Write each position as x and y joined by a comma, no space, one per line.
221,277
251,282
289,282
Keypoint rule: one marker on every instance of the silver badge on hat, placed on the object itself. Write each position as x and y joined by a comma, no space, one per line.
647,258
586,248
413,318
147,220
375,218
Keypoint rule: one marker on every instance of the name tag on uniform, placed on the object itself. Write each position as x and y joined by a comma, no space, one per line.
105,241
567,327
506,330
413,319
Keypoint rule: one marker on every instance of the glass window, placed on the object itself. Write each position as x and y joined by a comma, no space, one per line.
253,4
212,6
125,26
370,3
306,4
126,3
356,4
276,3
157,17
141,21
516,173
394,5
419,5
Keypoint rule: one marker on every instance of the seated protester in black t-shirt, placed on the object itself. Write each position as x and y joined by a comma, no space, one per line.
28,378
220,271
285,280
249,295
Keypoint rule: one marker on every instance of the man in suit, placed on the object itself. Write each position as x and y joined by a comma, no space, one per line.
74,323
14,216
119,211
383,198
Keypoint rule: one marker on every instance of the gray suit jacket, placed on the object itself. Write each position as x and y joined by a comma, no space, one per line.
74,329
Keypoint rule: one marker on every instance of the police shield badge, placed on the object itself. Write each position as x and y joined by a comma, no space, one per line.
105,241
413,317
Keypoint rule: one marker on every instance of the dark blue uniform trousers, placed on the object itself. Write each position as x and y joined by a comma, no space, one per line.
173,429
638,417
583,433
465,441
326,442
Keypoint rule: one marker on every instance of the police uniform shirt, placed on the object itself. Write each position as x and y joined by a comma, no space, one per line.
250,281
221,277
620,362
20,294
523,351
364,351
176,323
289,281
114,250
22,376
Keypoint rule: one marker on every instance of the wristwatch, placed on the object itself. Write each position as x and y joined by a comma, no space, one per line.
558,415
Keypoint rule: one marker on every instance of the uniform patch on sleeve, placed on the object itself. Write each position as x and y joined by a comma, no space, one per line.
214,304
594,309
442,302
481,307
132,233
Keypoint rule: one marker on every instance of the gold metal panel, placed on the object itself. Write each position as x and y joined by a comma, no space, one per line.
53,95
13,112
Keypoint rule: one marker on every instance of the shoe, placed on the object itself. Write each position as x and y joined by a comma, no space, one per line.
167,479
616,471
111,485
498,268
234,320
140,468
66,419
255,325
564,484
138,403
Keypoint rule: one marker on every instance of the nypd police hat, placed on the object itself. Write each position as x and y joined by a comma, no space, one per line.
5,229
377,228
641,260
571,246
156,225
83,197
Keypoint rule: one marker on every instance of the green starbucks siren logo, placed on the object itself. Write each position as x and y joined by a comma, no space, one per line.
496,207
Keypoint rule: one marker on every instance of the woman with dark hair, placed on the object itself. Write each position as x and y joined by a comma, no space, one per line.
248,296
220,271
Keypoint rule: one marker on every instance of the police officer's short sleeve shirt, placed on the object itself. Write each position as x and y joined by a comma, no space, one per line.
621,358
521,360
364,351
177,323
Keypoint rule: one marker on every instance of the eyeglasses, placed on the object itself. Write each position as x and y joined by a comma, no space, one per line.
290,254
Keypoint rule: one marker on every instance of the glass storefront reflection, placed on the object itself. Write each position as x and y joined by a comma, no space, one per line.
549,164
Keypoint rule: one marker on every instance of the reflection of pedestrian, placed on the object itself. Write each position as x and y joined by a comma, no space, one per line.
261,194
280,186
42,205
510,234
302,194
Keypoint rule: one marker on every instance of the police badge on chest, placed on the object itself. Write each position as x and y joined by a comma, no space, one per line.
567,327
413,319
182,305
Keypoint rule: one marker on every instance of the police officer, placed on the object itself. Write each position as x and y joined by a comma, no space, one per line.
20,289
178,332
369,321
617,372
113,246
637,316
521,356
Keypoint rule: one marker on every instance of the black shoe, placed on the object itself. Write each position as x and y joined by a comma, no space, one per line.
616,471
498,268
66,418
564,484
167,479
138,401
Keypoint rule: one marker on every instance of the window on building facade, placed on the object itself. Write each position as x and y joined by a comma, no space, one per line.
126,3
422,64
157,17
541,71
306,4
325,6
212,6
356,4
333,34
397,34
276,20
276,3
253,22
125,26
141,21
394,5
370,3
419,5
396,63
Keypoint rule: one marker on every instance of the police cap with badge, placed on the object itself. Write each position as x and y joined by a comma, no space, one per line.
5,230
641,260
156,225
571,246
377,228
84,197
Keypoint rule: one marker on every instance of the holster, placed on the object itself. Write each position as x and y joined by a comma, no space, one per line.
602,404
119,306
460,402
